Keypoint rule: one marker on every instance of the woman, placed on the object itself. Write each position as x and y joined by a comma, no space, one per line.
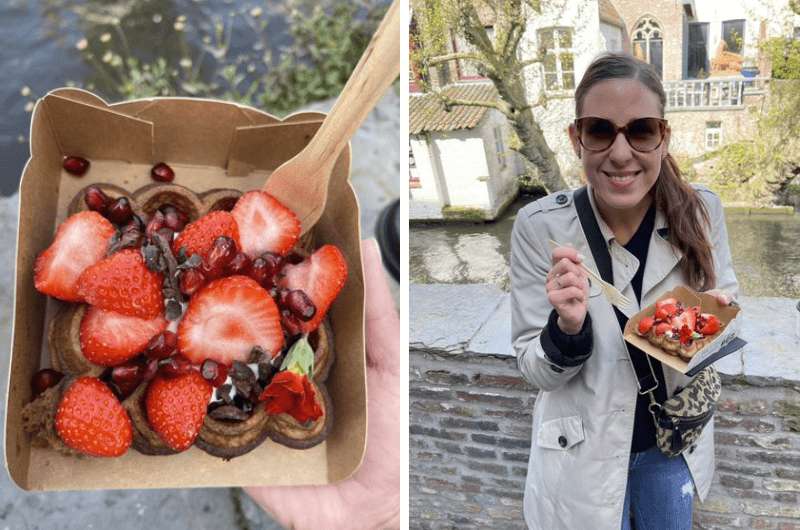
594,462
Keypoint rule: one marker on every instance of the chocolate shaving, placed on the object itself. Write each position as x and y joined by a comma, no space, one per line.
224,393
151,255
173,309
228,413
171,289
243,403
258,355
191,263
265,373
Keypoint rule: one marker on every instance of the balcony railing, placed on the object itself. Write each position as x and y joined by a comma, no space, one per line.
720,92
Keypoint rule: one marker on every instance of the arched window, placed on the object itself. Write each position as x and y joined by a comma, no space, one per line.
648,43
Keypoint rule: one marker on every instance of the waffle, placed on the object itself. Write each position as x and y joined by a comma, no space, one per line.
222,438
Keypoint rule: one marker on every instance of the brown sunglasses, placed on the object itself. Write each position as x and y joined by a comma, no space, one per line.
598,134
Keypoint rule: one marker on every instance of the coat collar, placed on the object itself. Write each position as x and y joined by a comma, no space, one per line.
662,257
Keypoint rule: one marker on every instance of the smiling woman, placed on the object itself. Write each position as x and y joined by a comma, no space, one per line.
594,460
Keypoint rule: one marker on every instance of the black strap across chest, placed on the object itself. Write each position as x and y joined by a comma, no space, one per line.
642,366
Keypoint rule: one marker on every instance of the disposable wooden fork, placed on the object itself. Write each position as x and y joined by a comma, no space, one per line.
611,293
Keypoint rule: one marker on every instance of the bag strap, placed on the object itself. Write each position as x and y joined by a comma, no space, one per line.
646,379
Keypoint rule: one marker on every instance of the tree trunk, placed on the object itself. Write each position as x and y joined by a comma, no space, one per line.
534,146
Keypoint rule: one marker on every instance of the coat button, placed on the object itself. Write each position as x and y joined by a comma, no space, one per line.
691,449
561,199
562,441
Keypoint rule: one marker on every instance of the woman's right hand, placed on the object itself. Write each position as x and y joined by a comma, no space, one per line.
568,289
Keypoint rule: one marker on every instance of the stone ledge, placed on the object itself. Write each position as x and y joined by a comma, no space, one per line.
475,319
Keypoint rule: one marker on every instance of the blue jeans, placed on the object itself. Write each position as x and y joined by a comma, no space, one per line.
659,494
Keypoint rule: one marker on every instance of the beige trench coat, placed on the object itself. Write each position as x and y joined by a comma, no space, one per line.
581,484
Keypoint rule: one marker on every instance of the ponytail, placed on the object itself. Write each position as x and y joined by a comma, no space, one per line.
689,225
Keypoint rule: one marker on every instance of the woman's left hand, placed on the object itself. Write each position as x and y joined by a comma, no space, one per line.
722,297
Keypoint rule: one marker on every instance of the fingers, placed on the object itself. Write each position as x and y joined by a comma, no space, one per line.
564,266
382,330
722,297
569,253
571,294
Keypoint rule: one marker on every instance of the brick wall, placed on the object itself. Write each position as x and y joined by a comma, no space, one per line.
471,429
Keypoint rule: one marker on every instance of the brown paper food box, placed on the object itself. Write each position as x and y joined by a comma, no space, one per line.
210,144
728,316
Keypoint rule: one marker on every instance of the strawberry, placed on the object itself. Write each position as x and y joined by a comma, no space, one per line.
80,241
708,324
687,318
666,301
662,328
109,338
645,325
265,225
666,311
685,334
123,283
226,318
176,408
198,237
320,276
90,419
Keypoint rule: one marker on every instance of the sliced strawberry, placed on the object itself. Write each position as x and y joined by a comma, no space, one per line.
666,311
109,338
80,241
226,318
666,301
176,407
123,283
90,419
265,225
708,324
320,276
198,237
685,334
662,328
687,318
645,325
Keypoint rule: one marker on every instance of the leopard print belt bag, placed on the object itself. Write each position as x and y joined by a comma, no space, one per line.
681,418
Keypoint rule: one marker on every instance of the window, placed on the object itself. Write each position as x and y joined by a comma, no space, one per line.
648,43
733,34
469,69
499,147
713,135
555,45
698,50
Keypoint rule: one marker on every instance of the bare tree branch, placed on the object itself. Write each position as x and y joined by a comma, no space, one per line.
456,56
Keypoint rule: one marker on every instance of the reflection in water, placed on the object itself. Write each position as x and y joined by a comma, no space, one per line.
765,250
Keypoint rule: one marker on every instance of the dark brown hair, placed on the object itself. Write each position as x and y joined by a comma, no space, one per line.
686,213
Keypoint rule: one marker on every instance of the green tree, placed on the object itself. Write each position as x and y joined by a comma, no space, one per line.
496,57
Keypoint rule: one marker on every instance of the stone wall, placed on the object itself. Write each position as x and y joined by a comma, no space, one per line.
470,417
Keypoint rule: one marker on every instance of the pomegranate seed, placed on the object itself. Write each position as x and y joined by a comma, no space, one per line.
274,262
75,165
240,264
294,258
223,251
162,345
175,366
290,323
214,373
127,377
150,369
226,205
259,271
191,281
120,212
299,304
96,200
173,217
155,224
162,173
44,379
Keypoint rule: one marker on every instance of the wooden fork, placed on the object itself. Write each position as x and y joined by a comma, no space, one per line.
611,293
302,182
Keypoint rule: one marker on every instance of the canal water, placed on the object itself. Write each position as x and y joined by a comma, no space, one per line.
765,250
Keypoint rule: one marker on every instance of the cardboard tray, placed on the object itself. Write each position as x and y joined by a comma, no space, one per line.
210,144
723,344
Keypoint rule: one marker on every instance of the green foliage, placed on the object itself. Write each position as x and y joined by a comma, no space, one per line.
327,44
327,40
757,170
784,53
